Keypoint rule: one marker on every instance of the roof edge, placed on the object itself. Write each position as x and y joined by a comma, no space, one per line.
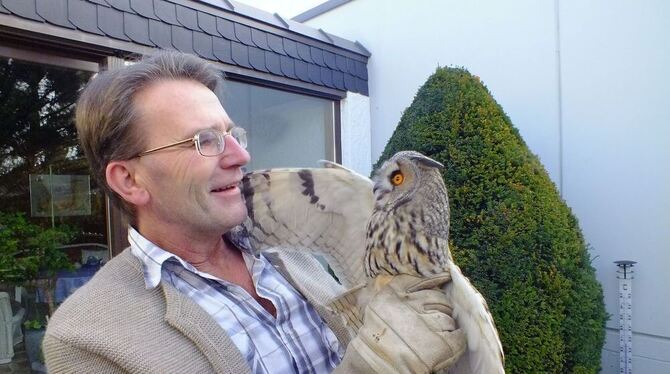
275,21
319,10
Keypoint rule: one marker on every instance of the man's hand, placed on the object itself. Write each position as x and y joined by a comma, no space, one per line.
407,328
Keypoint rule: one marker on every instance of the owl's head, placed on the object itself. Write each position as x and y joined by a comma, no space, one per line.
401,176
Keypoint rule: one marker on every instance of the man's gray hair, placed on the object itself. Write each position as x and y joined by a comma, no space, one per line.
106,115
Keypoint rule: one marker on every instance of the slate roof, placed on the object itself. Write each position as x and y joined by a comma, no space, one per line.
218,30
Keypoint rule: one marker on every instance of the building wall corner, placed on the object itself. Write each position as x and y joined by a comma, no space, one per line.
356,133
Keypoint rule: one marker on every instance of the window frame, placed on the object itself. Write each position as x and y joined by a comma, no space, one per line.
336,145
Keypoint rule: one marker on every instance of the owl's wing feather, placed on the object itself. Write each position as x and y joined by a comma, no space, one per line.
485,352
321,210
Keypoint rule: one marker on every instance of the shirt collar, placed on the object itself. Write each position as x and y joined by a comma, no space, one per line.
153,257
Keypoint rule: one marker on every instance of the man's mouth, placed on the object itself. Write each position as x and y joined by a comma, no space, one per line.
226,188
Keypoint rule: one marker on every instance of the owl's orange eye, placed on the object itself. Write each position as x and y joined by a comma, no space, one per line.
397,178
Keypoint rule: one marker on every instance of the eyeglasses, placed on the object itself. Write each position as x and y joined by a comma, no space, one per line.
208,142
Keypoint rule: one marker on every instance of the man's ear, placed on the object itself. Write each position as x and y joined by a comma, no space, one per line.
121,178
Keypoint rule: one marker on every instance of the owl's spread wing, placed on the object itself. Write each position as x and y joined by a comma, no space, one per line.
321,210
484,353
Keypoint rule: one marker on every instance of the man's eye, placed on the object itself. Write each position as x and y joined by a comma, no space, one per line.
207,139
206,142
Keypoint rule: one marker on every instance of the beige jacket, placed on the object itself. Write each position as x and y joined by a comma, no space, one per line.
114,324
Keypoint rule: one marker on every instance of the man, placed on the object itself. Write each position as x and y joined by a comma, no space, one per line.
187,295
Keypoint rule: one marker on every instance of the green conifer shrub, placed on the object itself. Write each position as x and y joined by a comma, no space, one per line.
511,232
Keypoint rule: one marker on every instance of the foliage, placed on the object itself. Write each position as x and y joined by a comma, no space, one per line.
37,106
38,136
34,324
28,251
511,232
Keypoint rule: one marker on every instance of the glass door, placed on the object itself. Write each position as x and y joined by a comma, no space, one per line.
53,217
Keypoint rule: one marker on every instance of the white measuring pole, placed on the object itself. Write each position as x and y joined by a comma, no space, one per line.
625,276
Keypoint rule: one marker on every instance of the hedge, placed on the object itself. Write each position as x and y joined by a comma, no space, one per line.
511,232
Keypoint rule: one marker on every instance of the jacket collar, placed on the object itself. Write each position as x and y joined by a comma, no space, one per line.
191,320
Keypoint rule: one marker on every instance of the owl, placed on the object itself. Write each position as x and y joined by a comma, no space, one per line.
368,232
409,227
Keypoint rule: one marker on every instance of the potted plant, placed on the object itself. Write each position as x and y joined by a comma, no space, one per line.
29,257
33,334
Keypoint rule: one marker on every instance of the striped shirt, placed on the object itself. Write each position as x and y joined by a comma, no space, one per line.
296,341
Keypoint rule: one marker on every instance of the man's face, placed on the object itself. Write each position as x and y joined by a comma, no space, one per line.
187,189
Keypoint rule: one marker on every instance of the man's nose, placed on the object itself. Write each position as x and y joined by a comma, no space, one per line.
234,154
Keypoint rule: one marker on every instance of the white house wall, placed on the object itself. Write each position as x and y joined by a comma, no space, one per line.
409,40
598,117
355,133
616,114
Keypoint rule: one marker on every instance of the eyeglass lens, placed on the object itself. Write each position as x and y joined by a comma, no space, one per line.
212,142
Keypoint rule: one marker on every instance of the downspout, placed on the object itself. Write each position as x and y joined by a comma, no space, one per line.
560,97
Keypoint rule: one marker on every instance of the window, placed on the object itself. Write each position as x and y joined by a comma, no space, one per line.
43,173
285,129
45,179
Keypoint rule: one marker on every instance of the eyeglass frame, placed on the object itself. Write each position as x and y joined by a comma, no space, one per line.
196,141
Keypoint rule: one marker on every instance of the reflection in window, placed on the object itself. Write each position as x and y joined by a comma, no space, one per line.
44,184
43,173
285,129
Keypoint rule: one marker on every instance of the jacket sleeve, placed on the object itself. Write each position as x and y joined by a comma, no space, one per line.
61,357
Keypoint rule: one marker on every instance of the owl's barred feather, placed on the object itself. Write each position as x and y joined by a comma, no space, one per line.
398,225
311,210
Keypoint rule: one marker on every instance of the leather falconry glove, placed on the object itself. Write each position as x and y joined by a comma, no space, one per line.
407,328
